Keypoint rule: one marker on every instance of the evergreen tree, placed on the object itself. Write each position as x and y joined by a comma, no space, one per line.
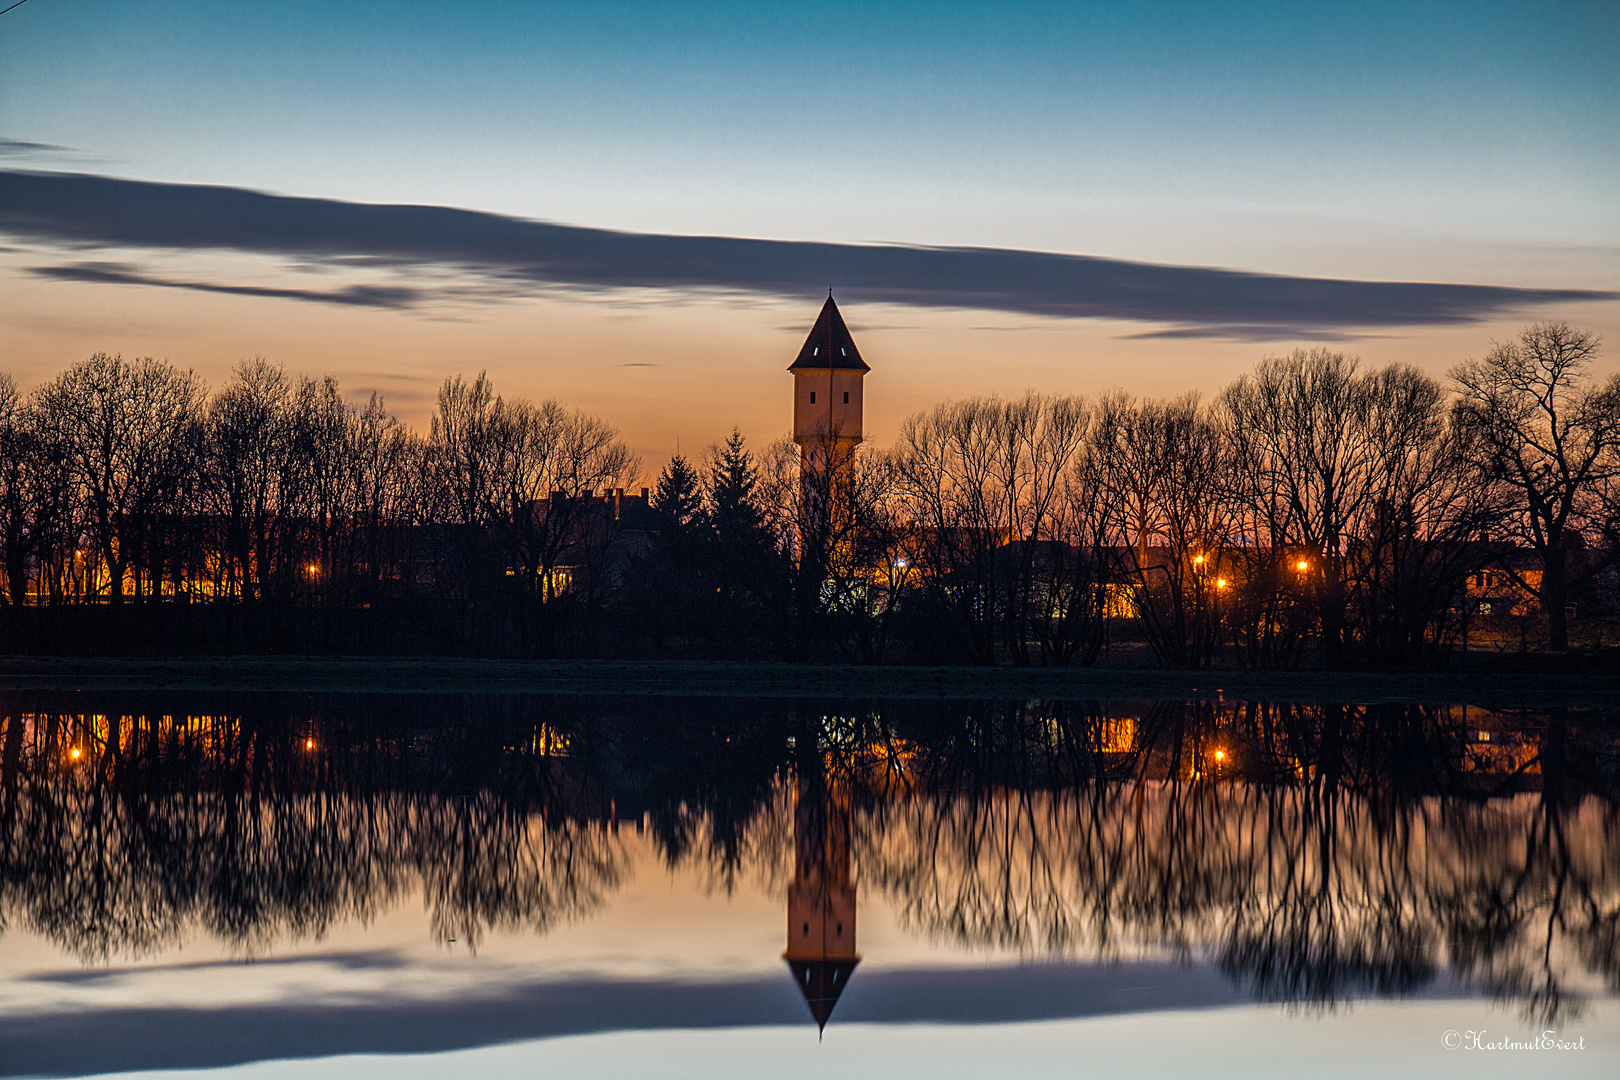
733,483
678,496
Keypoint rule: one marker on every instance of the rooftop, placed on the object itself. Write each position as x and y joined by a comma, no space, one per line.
829,344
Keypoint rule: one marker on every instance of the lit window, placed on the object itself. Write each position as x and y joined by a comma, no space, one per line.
812,397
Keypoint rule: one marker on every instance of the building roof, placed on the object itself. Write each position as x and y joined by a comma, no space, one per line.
821,982
829,344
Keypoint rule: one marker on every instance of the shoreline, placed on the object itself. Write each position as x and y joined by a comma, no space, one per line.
440,675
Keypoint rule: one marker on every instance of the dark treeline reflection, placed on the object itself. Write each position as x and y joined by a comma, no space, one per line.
1315,853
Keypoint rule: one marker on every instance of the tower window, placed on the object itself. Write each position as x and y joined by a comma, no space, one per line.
842,351
816,351
812,397
846,397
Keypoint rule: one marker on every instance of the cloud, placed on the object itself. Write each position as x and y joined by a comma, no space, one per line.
79,210
353,960
20,146
102,273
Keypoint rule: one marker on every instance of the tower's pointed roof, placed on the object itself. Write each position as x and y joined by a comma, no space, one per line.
821,982
829,344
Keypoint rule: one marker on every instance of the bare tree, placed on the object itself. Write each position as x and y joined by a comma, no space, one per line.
384,497
125,430
1413,546
17,453
838,550
528,475
983,481
1165,465
247,464
1303,462
1545,432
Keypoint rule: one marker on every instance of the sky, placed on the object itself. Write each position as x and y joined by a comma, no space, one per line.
643,204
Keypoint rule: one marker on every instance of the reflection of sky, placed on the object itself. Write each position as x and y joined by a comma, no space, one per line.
687,980
1448,142
1388,1040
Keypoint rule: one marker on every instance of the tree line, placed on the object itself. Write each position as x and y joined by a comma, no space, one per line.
1316,511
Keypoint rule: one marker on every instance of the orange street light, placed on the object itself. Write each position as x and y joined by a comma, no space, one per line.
75,753
309,744
1220,583
1302,565
1220,755
1198,559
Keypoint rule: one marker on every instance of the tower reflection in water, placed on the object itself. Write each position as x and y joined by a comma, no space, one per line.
821,900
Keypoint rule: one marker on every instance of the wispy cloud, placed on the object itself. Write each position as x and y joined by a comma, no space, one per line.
103,273
76,210
11,147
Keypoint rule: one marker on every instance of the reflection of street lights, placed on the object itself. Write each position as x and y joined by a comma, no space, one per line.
1302,566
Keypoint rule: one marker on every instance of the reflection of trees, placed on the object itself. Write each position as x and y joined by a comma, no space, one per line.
1343,879
210,825
1313,852
485,867
1303,894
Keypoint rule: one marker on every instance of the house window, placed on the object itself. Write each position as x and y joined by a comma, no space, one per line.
846,397
812,397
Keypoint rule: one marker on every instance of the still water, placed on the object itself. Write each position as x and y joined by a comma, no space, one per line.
353,885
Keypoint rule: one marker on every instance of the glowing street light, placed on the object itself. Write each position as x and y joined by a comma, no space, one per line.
309,744
75,753
1302,565
1220,583
1220,755
1198,560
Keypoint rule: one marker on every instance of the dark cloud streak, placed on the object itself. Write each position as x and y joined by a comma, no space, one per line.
22,146
381,296
87,211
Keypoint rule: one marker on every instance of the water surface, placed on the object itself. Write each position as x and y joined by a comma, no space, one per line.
345,884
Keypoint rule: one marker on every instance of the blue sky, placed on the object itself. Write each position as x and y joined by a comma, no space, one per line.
989,124
1432,142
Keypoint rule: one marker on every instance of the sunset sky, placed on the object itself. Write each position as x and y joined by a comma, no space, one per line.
207,182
